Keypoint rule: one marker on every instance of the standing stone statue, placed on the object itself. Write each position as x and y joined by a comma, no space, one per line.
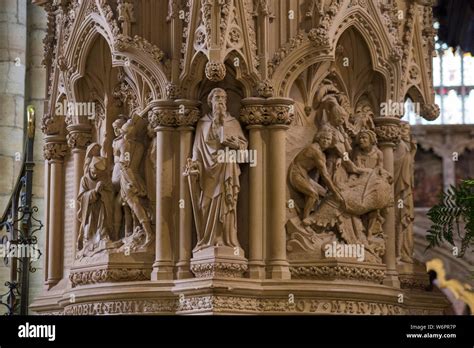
216,185
132,186
404,157
122,215
95,204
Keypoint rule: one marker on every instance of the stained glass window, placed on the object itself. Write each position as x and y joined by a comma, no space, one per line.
453,80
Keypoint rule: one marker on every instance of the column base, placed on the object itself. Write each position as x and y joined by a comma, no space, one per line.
391,279
256,269
413,275
183,270
219,261
279,270
162,270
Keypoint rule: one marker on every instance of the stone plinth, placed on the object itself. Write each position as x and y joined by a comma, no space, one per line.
219,261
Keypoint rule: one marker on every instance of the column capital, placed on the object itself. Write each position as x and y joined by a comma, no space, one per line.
79,136
267,111
388,130
174,113
55,148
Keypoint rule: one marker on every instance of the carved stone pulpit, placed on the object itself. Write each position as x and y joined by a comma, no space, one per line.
254,147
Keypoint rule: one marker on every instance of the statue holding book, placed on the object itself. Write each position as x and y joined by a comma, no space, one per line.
214,185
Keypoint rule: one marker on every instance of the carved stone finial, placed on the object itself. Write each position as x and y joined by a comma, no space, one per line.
172,91
430,112
215,71
265,89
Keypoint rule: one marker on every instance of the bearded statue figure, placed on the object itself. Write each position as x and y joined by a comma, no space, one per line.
214,185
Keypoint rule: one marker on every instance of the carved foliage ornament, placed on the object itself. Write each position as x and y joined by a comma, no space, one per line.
79,140
123,43
388,133
174,116
215,71
107,275
267,114
55,151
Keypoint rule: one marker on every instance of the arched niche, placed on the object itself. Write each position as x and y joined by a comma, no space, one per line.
351,73
95,88
235,93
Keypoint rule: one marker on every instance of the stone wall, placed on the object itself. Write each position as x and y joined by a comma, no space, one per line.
22,82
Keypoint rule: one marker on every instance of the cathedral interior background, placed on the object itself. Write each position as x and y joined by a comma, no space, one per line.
231,156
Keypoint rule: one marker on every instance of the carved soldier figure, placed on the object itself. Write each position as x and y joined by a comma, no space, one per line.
132,185
95,203
215,197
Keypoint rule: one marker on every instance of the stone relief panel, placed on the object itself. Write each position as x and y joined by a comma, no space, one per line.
341,178
114,207
338,188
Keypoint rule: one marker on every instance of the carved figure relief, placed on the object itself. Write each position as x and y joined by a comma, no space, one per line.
214,185
346,195
121,210
404,157
132,186
95,204
114,205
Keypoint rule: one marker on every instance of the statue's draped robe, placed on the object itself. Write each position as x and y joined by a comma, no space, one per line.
216,180
95,211
403,184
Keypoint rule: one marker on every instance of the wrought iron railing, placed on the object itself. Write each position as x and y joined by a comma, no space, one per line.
18,226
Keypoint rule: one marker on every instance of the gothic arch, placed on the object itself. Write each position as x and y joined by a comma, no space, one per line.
382,52
243,74
133,53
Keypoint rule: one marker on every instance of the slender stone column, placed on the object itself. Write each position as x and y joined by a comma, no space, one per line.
186,118
256,192
278,264
55,149
275,116
47,195
164,118
163,265
388,134
78,139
